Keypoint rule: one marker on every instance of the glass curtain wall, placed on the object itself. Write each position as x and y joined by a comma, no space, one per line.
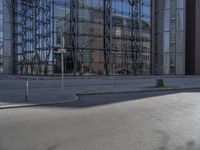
124,53
1,36
32,37
170,37
90,53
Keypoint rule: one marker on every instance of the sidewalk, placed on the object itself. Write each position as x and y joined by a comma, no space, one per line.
43,92
16,97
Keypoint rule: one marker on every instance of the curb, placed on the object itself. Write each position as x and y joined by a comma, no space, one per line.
141,91
21,105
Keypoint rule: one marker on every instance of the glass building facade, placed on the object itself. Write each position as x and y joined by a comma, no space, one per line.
170,36
1,36
99,37
32,43
113,37
125,58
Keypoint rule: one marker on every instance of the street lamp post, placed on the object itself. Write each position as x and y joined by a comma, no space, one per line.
81,52
27,91
62,62
62,72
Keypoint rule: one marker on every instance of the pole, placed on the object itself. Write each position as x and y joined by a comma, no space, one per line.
26,91
62,74
62,63
81,62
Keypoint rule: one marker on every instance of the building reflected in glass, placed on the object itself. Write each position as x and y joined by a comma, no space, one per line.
91,52
95,45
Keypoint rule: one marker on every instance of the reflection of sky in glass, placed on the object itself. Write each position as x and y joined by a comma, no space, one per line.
119,7
124,8
62,7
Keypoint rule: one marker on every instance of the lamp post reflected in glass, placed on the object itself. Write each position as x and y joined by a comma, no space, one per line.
62,59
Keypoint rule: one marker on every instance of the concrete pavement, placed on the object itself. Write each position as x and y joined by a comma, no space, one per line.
126,121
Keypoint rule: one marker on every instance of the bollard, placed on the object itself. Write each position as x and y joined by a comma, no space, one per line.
26,91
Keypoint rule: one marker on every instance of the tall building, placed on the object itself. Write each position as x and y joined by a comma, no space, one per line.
169,36
193,37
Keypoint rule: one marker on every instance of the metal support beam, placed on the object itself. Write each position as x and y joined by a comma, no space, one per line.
136,45
32,36
107,35
74,31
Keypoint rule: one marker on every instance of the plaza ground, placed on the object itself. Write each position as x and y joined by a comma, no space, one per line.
125,121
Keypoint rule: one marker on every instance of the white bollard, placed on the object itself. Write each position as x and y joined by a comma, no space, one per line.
26,91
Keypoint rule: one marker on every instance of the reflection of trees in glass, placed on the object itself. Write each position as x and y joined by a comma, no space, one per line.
91,46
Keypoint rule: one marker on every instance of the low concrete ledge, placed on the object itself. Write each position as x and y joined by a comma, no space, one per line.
121,77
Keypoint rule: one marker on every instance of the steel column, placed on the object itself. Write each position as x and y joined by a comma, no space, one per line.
32,36
136,45
74,31
107,35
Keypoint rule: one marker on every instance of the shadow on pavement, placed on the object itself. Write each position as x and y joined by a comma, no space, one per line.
105,99
84,101
12,92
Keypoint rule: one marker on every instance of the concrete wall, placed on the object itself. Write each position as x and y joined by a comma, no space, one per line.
7,23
